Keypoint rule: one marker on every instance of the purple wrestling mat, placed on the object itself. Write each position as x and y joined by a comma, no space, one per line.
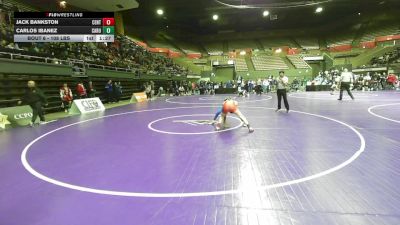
162,163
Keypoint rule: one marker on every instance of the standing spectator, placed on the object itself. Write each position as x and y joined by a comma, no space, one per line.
296,84
181,90
382,80
160,91
265,85
367,82
194,86
109,91
147,90
282,83
346,78
91,91
272,83
391,80
117,91
35,98
335,85
80,90
246,88
66,97
251,86
153,88
259,87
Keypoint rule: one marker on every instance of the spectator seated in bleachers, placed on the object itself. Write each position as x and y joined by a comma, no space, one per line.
123,53
389,57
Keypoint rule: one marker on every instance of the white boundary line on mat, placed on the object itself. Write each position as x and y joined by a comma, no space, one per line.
171,100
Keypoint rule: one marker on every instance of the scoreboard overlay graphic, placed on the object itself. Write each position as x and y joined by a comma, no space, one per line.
64,26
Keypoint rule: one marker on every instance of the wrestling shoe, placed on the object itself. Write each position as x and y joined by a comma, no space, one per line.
251,130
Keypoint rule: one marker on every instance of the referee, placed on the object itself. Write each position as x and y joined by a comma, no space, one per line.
346,78
35,98
281,91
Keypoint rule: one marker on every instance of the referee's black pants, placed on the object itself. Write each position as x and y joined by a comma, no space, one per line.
345,86
282,93
37,110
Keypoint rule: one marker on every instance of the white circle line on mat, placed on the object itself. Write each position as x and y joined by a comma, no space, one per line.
382,117
150,125
37,174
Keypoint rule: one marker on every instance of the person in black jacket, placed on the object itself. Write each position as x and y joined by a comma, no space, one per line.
35,98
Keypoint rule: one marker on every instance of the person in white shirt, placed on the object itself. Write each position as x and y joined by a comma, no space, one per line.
282,83
265,86
335,85
367,82
346,78
181,90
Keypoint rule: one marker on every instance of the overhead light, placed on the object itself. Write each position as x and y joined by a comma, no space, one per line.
215,17
319,9
160,12
63,4
359,14
242,53
265,13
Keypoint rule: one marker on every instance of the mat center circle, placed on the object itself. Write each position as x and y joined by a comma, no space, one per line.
195,124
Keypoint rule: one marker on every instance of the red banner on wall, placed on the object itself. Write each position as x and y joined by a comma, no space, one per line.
293,51
340,48
282,49
194,55
173,54
387,38
368,44
168,52
158,50
144,45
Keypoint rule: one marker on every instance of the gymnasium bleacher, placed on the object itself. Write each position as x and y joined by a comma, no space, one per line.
298,62
214,48
276,42
308,43
12,87
346,39
241,44
189,47
264,62
241,65
161,44
372,32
